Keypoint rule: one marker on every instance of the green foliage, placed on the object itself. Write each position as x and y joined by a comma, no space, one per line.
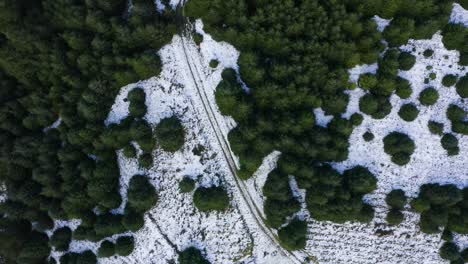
450,143
211,199
356,119
428,96
396,199
146,160
192,255
376,106
198,38
170,134
368,136
368,81
406,61
447,235
83,53
214,63
399,146
141,194
186,185
60,239
124,245
132,220
449,251
137,107
462,86
332,197
129,151
294,235
408,112
394,217
449,80
106,249
435,128
428,53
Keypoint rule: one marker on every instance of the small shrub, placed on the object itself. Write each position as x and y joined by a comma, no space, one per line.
406,61
214,63
356,119
450,143
170,134
141,194
394,217
209,199
137,107
428,96
447,235
449,251
449,80
192,255
368,136
198,38
462,87
106,249
396,199
399,146
146,160
186,185
61,238
129,151
293,236
432,76
124,245
408,112
428,53
436,128
403,88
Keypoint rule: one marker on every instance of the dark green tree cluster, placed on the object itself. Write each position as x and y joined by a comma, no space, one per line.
416,19
338,198
399,146
192,255
294,58
280,202
86,257
444,207
435,128
294,235
60,239
458,117
20,244
455,37
384,83
211,199
449,80
396,200
68,59
141,194
170,134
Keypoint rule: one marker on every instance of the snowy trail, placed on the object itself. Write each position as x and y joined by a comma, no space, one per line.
253,212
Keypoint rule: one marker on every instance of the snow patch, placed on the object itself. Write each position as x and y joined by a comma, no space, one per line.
459,15
382,23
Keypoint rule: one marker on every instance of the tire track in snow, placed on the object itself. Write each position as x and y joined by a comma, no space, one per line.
224,145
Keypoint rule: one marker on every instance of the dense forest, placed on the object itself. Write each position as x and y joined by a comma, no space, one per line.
64,61
294,57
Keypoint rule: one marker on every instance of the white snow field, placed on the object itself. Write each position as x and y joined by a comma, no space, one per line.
234,236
